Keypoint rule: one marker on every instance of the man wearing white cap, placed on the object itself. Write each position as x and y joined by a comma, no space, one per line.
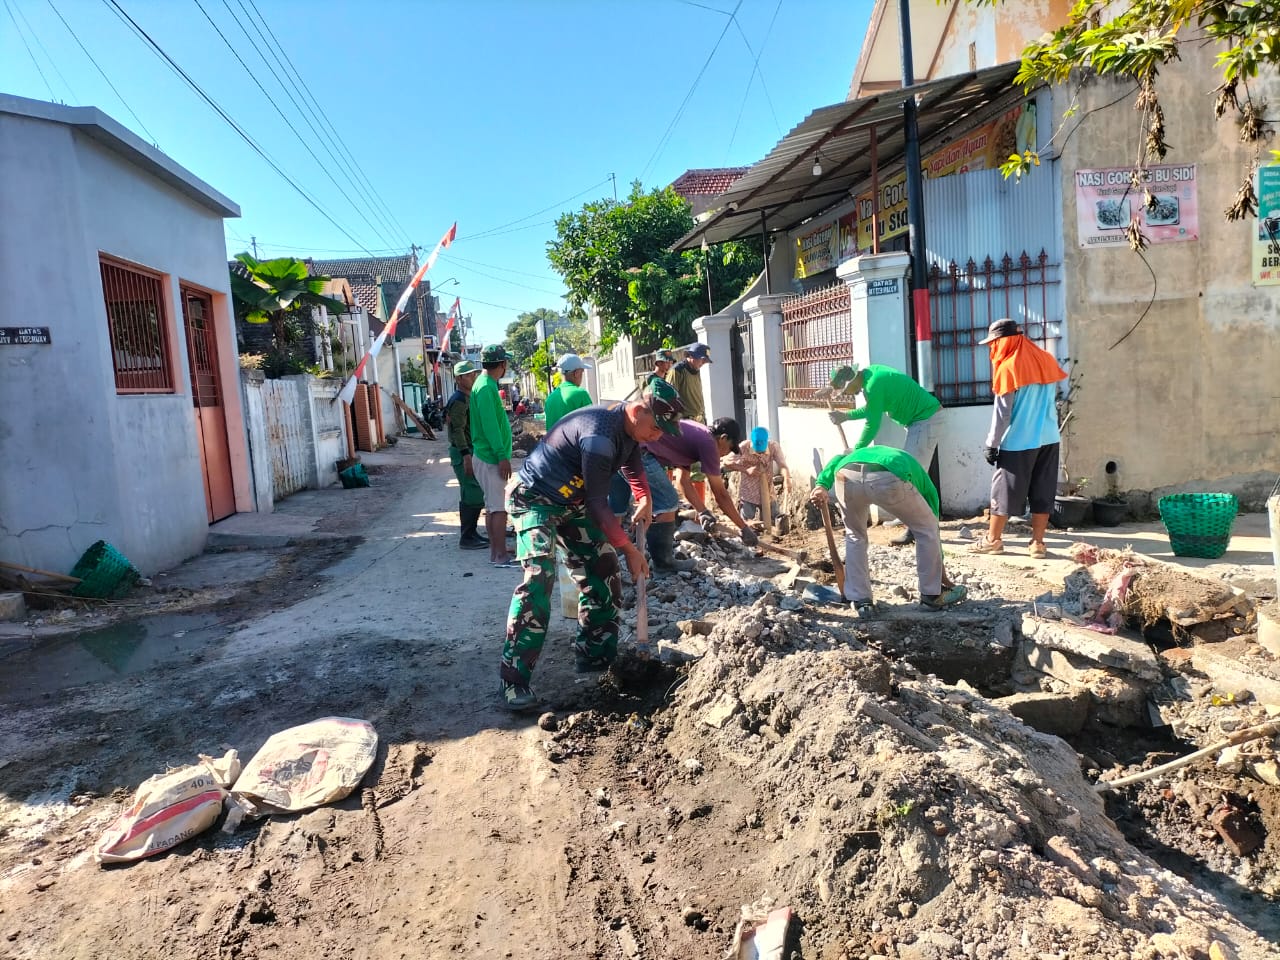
570,395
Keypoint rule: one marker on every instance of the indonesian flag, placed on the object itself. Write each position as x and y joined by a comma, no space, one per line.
454,312
348,391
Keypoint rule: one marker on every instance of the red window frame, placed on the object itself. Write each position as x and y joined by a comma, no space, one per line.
137,328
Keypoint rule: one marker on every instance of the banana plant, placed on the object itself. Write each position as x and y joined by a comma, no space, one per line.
276,289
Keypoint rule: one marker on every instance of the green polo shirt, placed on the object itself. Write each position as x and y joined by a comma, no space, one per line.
564,399
898,462
890,391
490,428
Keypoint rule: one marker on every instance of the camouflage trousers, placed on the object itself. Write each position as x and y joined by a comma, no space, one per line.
593,565
469,492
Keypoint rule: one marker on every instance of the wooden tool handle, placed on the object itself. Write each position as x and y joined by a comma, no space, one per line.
642,597
836,564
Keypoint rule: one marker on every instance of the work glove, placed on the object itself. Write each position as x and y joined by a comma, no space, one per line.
708,521
749,537
837,416
992,454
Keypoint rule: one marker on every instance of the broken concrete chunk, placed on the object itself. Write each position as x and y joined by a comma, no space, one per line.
1240,838
718,714
1230,677
1062,715
684,650
1108,650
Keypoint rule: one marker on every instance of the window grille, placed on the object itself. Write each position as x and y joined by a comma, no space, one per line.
137,327
816,338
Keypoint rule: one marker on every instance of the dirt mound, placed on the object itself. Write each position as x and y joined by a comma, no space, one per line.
897,816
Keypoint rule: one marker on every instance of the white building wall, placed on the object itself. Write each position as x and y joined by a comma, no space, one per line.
85,463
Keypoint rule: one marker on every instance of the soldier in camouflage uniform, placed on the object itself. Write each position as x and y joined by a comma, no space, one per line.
458,420
562,499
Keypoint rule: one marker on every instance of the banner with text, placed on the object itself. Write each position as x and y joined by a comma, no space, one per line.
1107,202
1266,239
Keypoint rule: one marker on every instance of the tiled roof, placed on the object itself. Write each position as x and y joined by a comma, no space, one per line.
363,273
707,181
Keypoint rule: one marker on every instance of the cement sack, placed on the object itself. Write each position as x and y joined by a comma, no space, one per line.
306,766
169,808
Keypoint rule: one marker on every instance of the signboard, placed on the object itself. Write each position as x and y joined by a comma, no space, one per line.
815,251
1266,239
983,148
14,336
882,288
1107,202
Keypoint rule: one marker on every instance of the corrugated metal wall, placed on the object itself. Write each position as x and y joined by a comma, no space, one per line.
982,214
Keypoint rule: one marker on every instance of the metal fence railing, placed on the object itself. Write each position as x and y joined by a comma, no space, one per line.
965,299
816,338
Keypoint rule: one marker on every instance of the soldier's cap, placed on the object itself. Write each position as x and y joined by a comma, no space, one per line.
494,353
665,404
664,356
463,367
841,377
699,351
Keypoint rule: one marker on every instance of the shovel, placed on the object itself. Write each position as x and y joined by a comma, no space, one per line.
643,650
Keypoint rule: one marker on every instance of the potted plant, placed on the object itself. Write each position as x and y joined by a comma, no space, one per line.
1113,509
1070,506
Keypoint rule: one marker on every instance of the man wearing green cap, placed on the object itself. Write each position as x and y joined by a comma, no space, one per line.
457,415
491,449
889,392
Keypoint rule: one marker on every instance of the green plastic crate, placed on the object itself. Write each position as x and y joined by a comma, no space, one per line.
104,573
1199,524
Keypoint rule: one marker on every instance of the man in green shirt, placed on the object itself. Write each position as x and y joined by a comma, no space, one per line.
491,449
457,417
570,395
893,480
888,391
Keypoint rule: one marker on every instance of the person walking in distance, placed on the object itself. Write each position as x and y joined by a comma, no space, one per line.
457,416
894,480
1022,443
570,395
491,448
887,391
688,382
561,502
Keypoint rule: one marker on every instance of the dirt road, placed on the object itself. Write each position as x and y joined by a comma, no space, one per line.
460,850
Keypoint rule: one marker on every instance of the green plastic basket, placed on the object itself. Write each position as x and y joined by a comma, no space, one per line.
1199,524
104,573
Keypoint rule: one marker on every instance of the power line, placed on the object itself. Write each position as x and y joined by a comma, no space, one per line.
39,43
558,203
119,96
755,69
159,51
271,100
503,233
666,136
494,266
305,93
36,63
515,283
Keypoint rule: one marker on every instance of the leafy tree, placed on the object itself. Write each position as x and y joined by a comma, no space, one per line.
570,333
279,292
614,256
1133,40
413,371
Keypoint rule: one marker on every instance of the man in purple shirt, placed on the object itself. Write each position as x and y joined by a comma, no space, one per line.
696,444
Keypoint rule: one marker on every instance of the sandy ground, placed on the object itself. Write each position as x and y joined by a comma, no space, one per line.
477,834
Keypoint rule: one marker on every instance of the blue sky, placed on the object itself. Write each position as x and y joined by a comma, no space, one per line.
483,112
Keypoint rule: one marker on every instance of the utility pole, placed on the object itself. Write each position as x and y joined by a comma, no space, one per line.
915,211
614,178
706,265
254,242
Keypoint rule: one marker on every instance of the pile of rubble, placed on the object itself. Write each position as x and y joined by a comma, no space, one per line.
897,815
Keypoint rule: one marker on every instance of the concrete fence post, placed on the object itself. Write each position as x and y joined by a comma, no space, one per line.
765,312
255,422
717,379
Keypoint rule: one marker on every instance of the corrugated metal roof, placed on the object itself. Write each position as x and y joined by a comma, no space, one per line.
783,186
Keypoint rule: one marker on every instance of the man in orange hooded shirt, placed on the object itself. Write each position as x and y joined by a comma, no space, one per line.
1023,441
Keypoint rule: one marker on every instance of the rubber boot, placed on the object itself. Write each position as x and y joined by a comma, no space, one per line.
471,538
662,551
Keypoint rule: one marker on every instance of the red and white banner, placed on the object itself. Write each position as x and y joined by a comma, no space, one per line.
443,343
348,390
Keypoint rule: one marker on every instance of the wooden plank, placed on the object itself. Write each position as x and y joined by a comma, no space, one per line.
43,573
408,412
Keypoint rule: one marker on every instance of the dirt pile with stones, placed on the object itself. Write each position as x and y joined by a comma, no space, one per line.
897,816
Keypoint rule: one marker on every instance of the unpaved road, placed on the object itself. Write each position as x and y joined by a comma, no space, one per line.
461,850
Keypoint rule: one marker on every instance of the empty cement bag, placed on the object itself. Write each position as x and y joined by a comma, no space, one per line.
169,808
306,766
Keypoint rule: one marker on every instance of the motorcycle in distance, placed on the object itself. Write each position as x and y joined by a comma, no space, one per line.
433,413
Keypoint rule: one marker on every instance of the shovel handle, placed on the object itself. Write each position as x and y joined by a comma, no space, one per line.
642,596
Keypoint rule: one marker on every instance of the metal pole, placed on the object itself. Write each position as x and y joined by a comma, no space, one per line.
764,251
915,210
875,191
706,265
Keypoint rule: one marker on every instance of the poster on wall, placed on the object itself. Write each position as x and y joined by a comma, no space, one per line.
983,148
1107,202
816,251
1266,239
